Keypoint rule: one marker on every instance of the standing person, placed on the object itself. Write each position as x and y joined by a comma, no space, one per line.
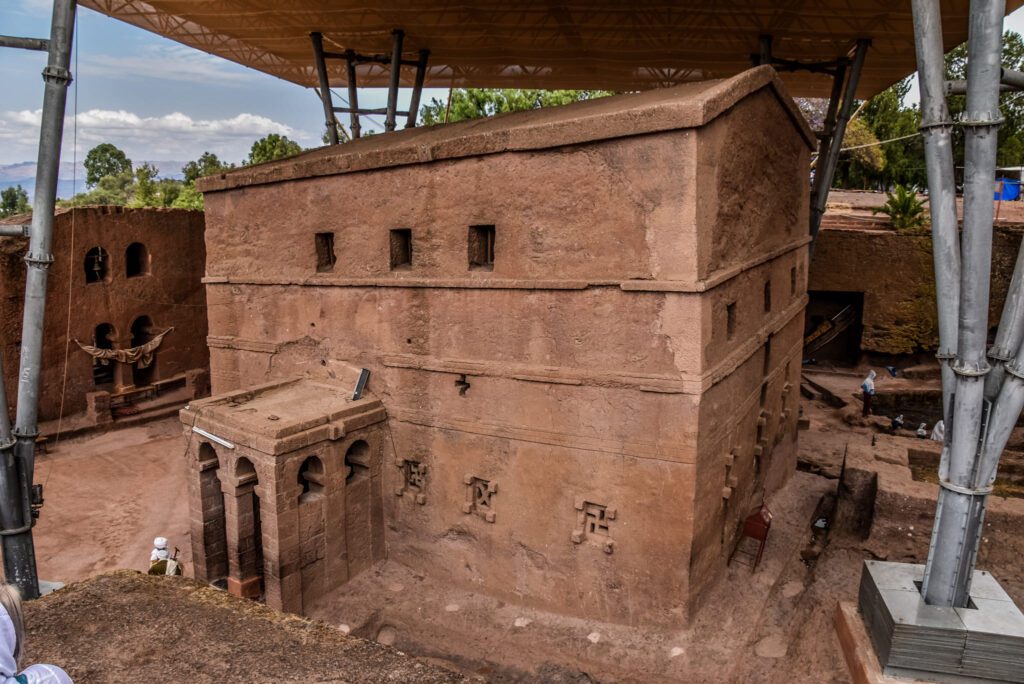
939,431
12,641
868,390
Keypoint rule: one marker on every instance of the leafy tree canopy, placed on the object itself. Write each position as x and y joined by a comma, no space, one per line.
271,147
894,122
207,165
105,160
474,103
13,200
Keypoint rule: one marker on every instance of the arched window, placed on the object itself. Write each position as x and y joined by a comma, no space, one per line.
311,478
207,453
97,265
244,469
357,458
103,370
136,260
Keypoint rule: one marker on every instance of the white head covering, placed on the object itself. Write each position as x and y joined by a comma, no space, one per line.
160,542
869,382
36,674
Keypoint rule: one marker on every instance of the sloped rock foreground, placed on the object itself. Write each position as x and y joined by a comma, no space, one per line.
128,627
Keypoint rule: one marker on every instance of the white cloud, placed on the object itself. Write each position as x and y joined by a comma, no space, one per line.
171,136
168,63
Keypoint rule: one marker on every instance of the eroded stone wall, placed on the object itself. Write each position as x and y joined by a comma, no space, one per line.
565,408
169,291
896,274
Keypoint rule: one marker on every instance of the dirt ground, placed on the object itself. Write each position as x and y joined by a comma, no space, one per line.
107,496
128,627
754,627
860,203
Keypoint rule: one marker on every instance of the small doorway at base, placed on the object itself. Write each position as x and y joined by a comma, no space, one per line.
142,332
103,370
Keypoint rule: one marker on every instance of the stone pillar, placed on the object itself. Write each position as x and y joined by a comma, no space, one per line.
240,519
206,508
123,379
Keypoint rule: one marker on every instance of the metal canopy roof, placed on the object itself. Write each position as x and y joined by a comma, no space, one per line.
606,44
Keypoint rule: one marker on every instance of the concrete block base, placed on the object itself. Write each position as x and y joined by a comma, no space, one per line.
983,642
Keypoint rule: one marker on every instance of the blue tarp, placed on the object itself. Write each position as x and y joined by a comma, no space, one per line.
1011,189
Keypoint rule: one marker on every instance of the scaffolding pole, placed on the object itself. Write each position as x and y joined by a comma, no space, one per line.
827,168
16,505
960,509
325,87
396,72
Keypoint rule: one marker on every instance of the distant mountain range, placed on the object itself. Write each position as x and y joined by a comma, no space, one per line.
69,180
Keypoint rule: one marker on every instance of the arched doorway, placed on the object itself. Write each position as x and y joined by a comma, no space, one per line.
250,532
103,371
142,332
358,508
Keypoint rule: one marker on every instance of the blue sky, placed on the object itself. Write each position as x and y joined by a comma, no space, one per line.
152,97
157,99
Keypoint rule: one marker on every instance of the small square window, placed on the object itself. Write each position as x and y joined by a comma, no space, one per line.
767,296
481,248
730,320
325,258
401,248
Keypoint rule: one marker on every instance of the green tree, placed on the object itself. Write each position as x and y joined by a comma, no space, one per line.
105,160
114,190
146,192
474,103
271,147
905,211
13,200
1011,105
188,198
207,165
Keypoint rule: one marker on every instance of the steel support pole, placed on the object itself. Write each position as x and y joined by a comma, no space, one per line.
826,171
828,126
19,553
1010,332
961,505
40,44
396,74
417,89
325,87
937,133
353,95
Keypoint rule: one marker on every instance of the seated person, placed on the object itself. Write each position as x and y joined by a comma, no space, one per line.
12,640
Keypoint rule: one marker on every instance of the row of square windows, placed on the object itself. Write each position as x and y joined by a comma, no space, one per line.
480,243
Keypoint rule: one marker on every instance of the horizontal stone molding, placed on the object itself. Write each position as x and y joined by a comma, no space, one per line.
670,453
402,280
664,383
